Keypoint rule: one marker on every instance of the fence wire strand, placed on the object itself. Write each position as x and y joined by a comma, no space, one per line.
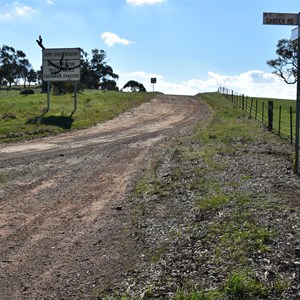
282,121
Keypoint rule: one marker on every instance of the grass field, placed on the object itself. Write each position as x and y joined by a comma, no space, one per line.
26,116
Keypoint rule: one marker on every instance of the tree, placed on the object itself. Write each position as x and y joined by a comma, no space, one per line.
14,65
102,73
88,78
96,73
23,66
286,64
134,86
109,85
8,64
31,76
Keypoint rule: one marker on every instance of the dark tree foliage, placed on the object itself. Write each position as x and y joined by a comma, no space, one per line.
134,86
14,65
96,73
102,71
286,63
9,64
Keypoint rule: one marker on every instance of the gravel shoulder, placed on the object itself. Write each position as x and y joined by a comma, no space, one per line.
66,227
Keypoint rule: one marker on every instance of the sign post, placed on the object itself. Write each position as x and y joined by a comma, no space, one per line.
48,95
153,81
290,19
297,107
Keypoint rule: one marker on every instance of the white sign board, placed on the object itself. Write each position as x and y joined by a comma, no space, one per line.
61,64
280,19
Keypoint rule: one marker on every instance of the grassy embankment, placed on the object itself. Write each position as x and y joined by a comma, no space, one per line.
25,116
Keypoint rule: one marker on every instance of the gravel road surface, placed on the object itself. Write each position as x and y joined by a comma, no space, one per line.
65,223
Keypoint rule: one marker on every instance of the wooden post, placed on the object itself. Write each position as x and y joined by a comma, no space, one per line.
256,107
243,102
279,125
251,107
270,115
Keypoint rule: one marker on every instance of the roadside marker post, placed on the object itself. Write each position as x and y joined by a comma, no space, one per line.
290,19
153,81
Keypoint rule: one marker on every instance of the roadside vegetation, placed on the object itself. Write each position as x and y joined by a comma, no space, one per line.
25,116
216,217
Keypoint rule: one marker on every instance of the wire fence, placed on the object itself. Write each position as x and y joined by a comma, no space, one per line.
278,116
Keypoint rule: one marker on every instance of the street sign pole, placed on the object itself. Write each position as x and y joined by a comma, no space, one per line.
290,19
75,96
153,81
297,105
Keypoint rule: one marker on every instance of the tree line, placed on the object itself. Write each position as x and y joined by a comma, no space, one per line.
14,66
95,72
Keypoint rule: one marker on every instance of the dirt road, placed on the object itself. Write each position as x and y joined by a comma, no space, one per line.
65,223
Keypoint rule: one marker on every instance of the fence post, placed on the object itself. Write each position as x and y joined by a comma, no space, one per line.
256,104
279,125
243,102
263,113
251,107
270,115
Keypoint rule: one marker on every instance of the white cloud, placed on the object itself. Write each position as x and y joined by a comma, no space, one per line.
141,2
5,16
23,9
16,10
254,83
111,38
50,2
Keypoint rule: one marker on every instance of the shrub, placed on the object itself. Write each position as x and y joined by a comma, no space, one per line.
27,92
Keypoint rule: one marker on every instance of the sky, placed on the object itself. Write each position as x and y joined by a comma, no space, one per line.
190,46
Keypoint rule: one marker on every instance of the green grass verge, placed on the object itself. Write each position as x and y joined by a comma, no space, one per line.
234,238
25,116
